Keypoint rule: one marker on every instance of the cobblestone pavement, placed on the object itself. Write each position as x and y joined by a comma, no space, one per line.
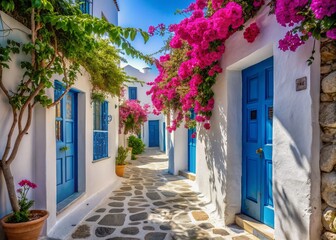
153,205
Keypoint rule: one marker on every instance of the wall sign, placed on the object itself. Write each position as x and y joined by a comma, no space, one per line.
301,84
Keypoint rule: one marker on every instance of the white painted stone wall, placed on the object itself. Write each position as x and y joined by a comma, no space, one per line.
36,159
146,76
296,176
106,8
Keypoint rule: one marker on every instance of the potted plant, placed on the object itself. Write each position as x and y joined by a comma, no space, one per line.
121,161
24,224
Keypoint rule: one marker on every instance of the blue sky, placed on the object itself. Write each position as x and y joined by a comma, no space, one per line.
144,13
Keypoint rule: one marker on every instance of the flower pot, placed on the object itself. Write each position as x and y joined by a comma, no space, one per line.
26,230
120,169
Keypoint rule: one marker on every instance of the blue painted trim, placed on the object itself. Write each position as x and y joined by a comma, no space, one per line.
100,137
164,136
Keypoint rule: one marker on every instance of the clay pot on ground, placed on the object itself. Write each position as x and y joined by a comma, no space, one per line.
26,230
120,170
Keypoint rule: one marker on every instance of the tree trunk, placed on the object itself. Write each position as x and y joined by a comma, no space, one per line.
10,187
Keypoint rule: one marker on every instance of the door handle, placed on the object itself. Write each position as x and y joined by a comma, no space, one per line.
260,151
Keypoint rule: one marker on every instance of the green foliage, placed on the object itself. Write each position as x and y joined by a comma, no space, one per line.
136,144
65,39
122,155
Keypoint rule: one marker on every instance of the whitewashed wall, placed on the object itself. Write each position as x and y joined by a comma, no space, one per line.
296,183
36,159
146,76
106,8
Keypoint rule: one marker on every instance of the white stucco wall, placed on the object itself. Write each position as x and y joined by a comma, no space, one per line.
106,8
146,76
36,159
296,176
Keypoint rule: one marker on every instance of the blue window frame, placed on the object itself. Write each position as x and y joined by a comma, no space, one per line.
132,93
86,6
100,130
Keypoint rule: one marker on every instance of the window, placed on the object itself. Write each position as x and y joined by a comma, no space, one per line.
86,6
100,130
132,93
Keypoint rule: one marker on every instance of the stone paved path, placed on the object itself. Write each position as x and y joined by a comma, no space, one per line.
153,205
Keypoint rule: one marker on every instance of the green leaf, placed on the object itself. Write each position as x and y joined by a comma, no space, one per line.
145,36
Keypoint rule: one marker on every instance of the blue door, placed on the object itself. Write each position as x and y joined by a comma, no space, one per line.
66,144
257,195
164,136
192,148
153,127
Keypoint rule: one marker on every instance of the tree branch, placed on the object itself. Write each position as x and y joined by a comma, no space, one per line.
10,135
2,86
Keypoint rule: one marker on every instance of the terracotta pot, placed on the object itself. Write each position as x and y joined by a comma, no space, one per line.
120,169
27,230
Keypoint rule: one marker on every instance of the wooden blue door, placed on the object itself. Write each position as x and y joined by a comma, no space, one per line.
192,148
66,144
257,195
164,136
154,131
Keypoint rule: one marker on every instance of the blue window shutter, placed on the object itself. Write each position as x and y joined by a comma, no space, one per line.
100,136
132,93
105,116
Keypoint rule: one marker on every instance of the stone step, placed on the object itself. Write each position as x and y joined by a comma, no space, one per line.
188,175
254,227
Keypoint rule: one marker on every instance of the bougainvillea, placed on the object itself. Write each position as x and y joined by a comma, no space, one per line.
187,75
251,32
188,72
132,116
309,18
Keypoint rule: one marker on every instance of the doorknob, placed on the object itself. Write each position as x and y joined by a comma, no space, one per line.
259,151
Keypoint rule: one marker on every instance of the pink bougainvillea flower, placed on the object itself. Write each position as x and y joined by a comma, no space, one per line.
251,33
151,30
286,11
207,126
193,135
331,33
258,3
290,42
323,8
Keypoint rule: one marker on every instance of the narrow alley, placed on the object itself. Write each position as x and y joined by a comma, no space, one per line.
154,205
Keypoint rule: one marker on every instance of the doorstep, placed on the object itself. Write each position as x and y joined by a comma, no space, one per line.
188,175
254,227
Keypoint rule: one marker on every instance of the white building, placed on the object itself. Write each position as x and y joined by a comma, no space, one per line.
261,155
153,132
69,150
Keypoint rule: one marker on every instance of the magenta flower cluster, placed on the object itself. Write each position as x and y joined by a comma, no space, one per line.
297,13
323,8
27,183
202,34
131,112
251,33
